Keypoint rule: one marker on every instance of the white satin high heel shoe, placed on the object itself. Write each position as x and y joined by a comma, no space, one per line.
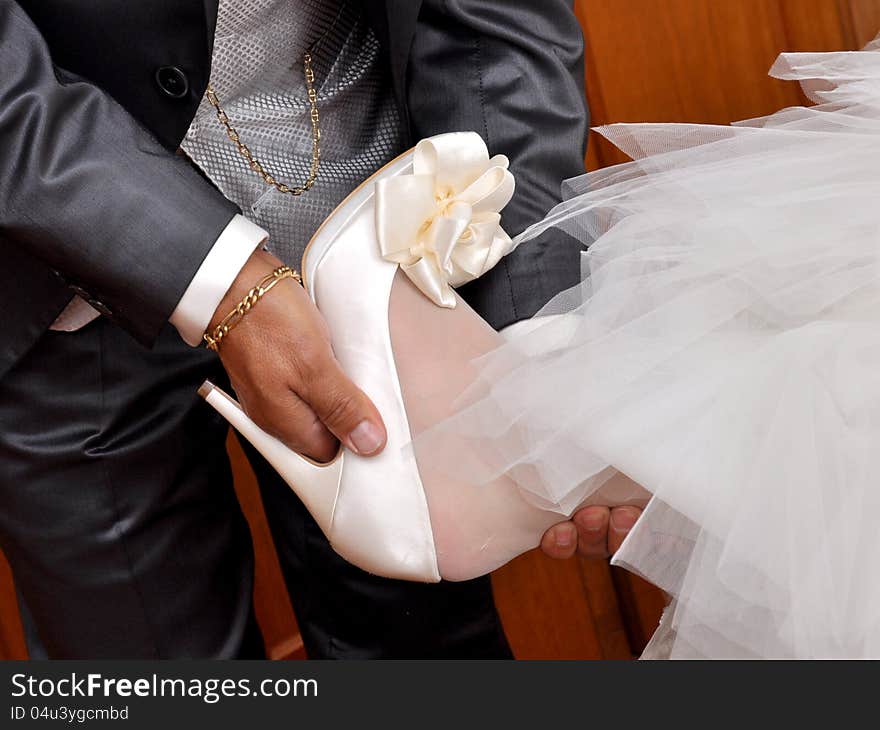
373,510
414,215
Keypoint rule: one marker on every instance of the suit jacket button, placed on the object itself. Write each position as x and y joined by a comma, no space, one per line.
172,81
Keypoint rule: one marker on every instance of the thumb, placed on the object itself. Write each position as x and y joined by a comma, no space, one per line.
346,411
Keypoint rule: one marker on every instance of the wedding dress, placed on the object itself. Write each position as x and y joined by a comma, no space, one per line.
723,351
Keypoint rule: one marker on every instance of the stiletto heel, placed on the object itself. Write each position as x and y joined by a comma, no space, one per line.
316,484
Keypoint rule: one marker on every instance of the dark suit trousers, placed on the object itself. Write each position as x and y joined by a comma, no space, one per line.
118,516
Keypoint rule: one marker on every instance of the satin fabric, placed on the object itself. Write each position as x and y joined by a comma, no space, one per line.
442,221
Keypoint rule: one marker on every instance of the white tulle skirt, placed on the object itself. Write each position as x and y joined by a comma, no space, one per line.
723,351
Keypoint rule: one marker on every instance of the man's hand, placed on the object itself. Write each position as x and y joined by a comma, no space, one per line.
593,532
282,368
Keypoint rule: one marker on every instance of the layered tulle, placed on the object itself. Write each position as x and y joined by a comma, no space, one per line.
723,350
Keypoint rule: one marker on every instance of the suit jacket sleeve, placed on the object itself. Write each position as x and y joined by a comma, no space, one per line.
512,71
91,193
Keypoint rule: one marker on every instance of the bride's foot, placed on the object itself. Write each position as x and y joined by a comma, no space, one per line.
475,529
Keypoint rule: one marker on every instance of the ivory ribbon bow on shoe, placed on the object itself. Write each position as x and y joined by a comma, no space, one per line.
442,223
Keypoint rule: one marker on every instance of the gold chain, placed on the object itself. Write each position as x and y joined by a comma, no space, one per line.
244,306
253,162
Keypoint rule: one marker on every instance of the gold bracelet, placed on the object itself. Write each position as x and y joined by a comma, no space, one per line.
244,306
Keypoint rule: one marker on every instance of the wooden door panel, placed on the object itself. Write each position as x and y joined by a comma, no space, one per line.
681,60
12,644
862,19
560,609
271,601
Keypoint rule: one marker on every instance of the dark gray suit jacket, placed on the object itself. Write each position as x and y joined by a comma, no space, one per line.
95,96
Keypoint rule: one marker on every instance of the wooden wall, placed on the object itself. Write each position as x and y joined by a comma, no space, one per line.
704,60
662,60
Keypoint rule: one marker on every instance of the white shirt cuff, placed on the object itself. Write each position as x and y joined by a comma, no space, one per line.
224,261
